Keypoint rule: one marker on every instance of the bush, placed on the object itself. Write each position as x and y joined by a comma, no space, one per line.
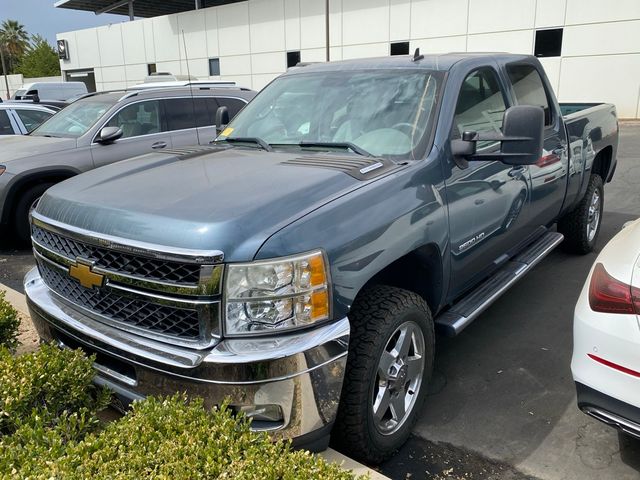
45,387
9,324
162,438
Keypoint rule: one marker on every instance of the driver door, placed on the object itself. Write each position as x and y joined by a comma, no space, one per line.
144,130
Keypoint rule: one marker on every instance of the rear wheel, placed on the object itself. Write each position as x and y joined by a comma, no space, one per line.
581,226
388,368
23,207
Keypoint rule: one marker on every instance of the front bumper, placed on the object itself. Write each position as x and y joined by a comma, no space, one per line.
290,384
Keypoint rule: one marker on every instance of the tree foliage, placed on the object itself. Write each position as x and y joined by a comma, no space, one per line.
14,41
40,59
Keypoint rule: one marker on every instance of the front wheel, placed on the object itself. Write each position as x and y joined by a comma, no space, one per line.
581,226
23,208
388,369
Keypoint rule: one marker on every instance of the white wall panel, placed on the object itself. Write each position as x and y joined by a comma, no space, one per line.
268,63
193,26
88,50
113,74
149,45
365,21
241,80
260,81
133,42
266,25
438,18
313,54
165,38
292,24
602,38
135,73
312,24
235,65
367,50
335,54
335,22
513,42
591,11
110,42
614,79
198,67
439,45
552,69
211,23
399,19
233,29
170,66
500,15
550,13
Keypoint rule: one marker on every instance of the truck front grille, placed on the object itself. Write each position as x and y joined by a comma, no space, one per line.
143,314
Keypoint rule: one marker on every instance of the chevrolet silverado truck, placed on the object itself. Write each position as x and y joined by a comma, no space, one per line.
301,264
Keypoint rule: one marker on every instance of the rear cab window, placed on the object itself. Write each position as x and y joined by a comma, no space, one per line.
529,89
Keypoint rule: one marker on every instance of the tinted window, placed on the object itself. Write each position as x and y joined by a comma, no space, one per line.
32,118
5,124
529,90
181,113
480,106
142,118
233,105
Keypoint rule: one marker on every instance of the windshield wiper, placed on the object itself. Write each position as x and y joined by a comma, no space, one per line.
344,145
258,141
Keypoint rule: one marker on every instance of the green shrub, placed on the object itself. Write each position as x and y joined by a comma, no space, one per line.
46,386
162,439
9,324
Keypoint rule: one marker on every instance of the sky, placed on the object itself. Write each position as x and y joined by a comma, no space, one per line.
40,16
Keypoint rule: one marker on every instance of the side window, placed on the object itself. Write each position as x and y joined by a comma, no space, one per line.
480,106
32,118
180,113
142,118
5,124
233,105
529,89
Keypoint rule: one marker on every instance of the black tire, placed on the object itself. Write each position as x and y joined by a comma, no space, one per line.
574,225
376,314
21,213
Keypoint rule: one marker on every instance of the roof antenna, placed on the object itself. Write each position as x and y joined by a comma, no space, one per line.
417,56
193,100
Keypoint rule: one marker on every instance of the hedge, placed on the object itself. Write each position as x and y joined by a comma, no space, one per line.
9,324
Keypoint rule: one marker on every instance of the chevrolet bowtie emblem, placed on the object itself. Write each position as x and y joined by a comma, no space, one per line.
82,272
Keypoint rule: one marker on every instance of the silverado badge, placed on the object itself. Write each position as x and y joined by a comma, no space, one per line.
82,272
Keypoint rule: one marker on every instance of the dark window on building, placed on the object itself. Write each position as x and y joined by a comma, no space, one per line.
548,43
5,124
293,58
529,89
214,67
151,68
400,48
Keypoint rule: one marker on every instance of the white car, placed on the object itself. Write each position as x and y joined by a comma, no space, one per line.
18,119
606,331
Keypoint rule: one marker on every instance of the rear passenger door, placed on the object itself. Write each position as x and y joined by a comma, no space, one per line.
143,131
549,173
8,124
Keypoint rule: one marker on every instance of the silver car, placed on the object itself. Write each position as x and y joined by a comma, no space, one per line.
100,129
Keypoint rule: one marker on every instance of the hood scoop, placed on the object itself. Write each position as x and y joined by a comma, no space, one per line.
359,168
191,152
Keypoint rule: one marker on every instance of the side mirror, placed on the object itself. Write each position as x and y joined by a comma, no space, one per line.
521,138
34,97
109,135
222,119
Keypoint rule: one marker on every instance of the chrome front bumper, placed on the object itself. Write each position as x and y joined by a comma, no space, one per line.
296,378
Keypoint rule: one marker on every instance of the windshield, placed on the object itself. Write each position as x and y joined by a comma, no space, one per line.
18,94
385,113
74,120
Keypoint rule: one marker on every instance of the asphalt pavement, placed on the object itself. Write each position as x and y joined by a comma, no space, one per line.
502,402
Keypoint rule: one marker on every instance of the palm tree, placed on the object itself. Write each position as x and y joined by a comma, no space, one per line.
14,40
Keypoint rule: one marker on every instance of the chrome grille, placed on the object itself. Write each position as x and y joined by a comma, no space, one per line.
119,262
143,314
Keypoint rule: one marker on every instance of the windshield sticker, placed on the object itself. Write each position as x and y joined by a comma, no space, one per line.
226,132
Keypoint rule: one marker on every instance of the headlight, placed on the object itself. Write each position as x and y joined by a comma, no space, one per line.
280,294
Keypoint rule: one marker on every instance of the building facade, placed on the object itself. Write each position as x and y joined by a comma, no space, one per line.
590,49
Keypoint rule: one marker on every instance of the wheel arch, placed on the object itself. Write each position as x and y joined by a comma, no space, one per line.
602,163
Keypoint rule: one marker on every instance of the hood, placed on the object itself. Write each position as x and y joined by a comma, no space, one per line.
231,200
21,146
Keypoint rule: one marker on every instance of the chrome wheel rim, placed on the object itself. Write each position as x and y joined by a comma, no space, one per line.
398,378
594,216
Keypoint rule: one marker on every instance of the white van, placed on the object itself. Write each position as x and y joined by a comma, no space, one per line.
60,91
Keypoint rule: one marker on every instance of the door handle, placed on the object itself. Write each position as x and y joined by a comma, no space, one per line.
479,201
516,172
158,145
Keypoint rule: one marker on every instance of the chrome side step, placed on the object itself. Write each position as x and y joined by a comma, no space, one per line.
462,313
627,426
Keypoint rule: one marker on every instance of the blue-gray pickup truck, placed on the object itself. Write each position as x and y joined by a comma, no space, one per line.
301,264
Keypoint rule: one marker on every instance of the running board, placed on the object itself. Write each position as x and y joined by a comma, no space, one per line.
468,308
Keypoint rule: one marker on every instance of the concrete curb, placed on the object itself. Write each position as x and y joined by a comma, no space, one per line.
19,302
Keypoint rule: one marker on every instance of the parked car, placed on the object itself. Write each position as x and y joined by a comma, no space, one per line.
300,265
103,128
606,335
60,91
22,119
